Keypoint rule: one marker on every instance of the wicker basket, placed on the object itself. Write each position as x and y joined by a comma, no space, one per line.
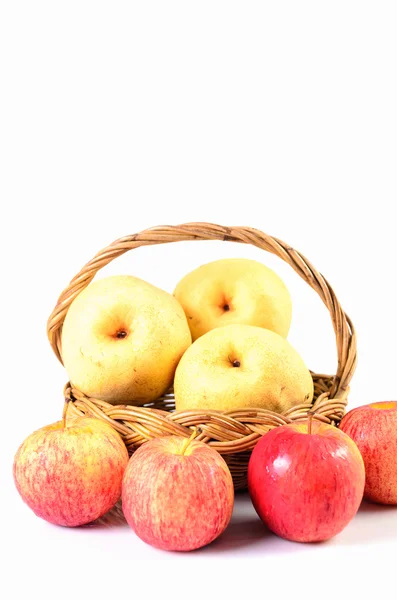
232,433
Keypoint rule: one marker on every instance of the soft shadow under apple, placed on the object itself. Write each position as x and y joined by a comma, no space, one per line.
247,530
373,507
373,523
113,518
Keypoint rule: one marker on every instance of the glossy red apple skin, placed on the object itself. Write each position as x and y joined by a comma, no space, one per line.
174,500
373,427
306,487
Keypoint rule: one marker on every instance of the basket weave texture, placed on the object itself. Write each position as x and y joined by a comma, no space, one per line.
232,433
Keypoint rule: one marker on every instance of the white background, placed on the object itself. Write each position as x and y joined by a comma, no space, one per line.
115,117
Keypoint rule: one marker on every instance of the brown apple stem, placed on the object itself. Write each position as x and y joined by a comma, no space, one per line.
187,442
309,424
65,410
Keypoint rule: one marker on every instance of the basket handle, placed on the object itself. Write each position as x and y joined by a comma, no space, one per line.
343,327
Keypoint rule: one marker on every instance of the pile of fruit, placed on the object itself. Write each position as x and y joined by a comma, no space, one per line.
220,339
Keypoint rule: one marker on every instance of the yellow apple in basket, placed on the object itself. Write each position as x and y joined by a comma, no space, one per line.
234,291
241,366
122,339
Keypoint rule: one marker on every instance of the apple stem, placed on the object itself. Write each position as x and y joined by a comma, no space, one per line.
188,440
65,410
309,425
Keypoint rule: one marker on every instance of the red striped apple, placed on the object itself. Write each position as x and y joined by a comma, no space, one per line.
306,480
71,475
374,429
177,493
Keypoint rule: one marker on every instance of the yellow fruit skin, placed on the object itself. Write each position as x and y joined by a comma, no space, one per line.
133,369
270,372
234,291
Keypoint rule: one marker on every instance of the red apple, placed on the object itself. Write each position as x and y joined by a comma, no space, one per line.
374,429
177,493
71,475
306,480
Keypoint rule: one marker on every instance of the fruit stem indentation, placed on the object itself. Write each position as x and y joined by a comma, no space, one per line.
121,334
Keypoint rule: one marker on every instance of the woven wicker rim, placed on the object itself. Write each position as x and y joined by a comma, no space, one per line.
229,432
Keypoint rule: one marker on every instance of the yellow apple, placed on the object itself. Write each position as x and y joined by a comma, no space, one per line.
122,339
241,366
234,291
